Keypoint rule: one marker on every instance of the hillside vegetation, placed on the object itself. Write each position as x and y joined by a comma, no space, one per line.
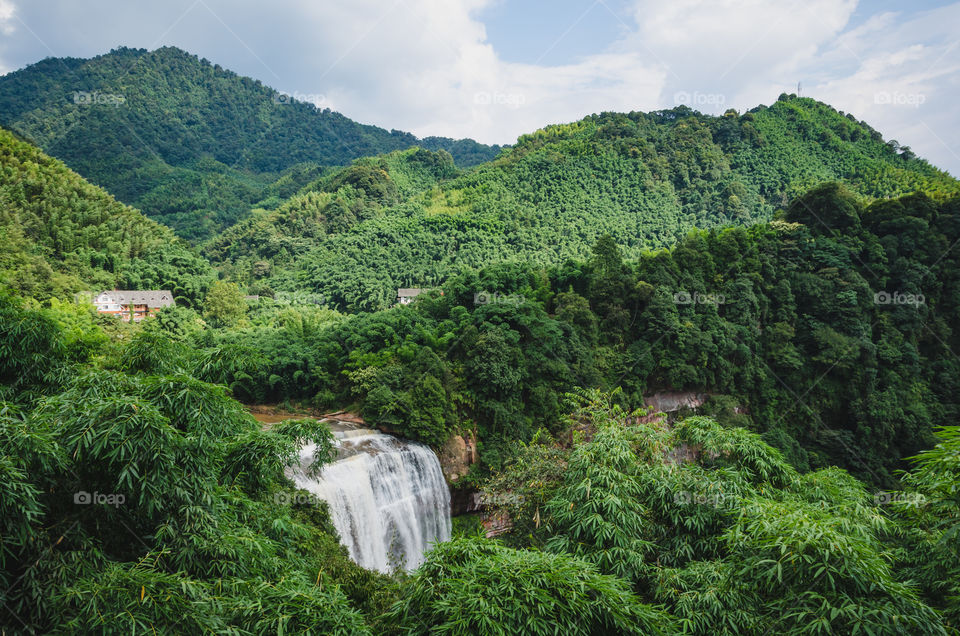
829,330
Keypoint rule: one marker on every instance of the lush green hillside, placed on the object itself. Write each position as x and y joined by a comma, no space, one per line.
644,179
831,330
191,144
59,234
138,498
264,248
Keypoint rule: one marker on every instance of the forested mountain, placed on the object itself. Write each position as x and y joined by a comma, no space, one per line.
264,248
639,374
189,143
59,235
646,179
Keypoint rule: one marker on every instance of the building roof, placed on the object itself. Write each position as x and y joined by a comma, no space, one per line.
152,298
408,292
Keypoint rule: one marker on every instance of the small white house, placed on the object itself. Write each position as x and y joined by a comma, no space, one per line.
130,303
405,295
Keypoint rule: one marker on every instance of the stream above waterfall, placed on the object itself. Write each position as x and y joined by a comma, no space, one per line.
387,497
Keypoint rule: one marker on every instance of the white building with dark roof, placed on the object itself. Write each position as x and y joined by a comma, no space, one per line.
133,303
405,295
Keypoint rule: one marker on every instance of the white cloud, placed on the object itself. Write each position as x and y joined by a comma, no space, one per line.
7,11
728,39
714,54
897,71
425,66
906,82
418,65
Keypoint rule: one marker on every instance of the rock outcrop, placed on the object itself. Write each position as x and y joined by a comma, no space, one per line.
457,455
671,402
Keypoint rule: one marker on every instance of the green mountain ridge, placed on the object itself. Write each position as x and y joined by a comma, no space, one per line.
191,144
646,179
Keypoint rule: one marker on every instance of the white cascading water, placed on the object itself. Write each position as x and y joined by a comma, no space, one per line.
387,498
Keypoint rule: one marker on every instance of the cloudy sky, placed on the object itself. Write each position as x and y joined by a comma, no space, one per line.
494,69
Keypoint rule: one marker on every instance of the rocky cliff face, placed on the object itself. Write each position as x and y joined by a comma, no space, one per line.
671,402
457,455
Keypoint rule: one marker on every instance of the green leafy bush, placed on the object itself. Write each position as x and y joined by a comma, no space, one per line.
475,586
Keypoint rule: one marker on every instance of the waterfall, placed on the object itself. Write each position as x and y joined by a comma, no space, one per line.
387,497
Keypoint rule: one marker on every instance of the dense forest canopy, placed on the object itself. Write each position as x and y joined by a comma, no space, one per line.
191,144
138,497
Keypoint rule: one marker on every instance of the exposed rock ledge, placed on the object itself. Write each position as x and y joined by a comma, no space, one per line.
346,416
673,401
457,455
